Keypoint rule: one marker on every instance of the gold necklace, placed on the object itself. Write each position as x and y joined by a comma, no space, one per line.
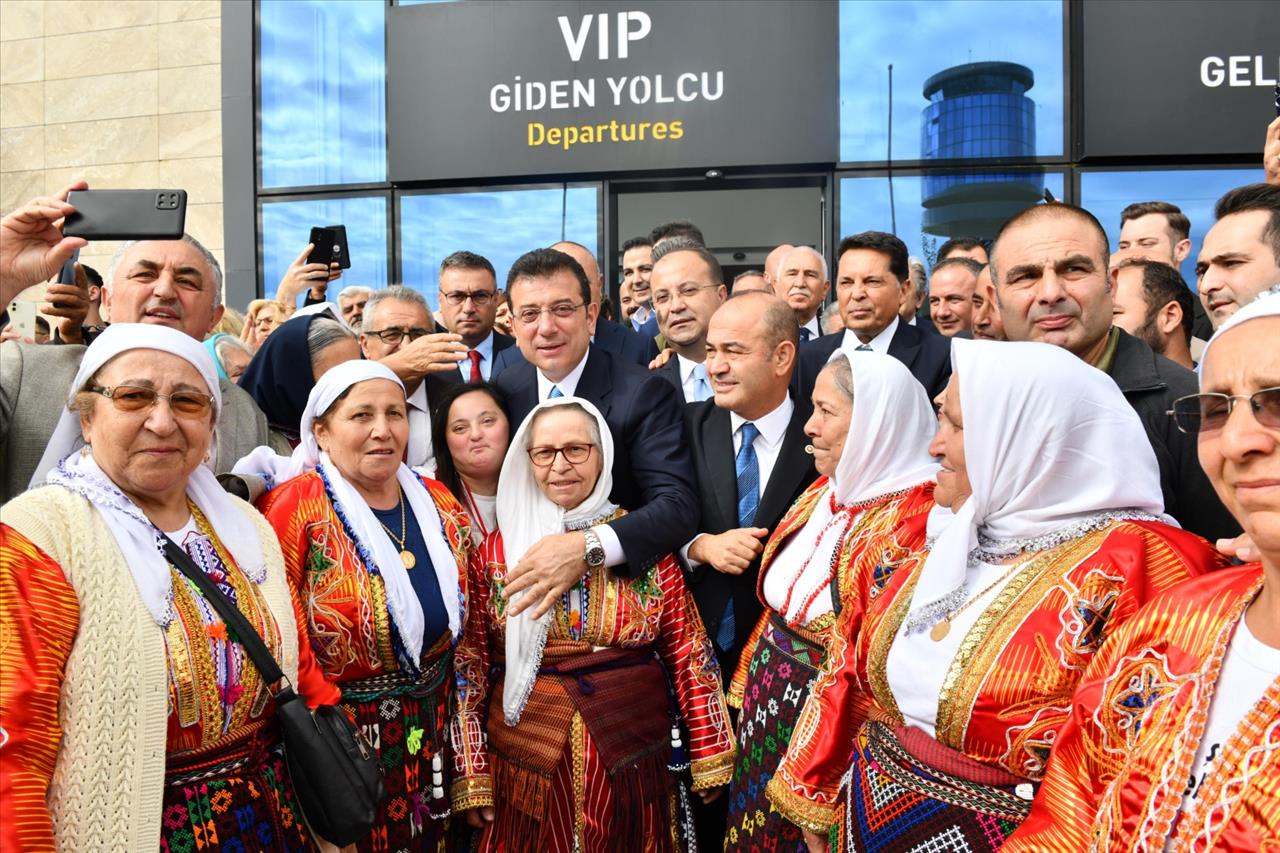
406,556
939,632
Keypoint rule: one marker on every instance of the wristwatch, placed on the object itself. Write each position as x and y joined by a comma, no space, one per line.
595,549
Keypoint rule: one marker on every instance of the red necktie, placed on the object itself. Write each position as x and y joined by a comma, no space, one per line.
475,367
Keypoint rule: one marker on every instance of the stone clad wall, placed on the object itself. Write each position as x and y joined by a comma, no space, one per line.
123,93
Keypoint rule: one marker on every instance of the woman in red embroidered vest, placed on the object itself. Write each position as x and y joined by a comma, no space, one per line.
570,727
378,557
839,544
1047,534
1173,740
129,719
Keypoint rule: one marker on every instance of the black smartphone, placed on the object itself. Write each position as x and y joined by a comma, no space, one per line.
127,214
67,275
330,246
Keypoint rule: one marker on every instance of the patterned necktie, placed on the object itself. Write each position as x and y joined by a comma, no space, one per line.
555,392
701,388
805,334
476,376
862,348
748,470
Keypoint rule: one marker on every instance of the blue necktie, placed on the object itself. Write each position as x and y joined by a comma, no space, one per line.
805,334
748,470
701,388
863,348
555,392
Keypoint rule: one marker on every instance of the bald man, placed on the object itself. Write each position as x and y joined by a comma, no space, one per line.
771,263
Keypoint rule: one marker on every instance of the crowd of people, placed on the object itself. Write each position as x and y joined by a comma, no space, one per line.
966,558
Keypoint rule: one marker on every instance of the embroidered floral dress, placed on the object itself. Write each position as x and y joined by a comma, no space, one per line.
1004,695
226,787
586,767
783,655
1121,764
345,610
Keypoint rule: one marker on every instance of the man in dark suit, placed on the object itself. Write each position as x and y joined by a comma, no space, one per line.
552,316
803,282
468,289
871,280
688,287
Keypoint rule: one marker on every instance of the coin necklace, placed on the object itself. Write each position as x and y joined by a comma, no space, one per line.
939,632
406,556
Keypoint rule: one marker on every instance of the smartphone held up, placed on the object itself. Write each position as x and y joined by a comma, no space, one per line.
127,214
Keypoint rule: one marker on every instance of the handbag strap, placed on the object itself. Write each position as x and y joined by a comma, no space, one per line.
245,633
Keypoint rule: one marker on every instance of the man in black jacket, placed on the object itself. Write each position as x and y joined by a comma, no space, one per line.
1049,264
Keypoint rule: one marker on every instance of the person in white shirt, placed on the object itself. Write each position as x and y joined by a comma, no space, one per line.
804,283
688,287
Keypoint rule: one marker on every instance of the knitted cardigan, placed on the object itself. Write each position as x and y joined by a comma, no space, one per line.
108,782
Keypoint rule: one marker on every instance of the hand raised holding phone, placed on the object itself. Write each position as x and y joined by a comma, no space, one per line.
32,245
303,275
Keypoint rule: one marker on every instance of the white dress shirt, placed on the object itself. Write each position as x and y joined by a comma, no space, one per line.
768,444
420,453
814,327
687,381
880,343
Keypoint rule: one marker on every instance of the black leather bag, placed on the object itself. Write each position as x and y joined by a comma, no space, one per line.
335,772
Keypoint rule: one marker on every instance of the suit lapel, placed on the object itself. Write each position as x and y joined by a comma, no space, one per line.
905,343
596,384
717,444
790,470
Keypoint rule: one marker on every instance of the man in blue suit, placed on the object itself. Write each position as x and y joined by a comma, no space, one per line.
552,317
608,336
871,279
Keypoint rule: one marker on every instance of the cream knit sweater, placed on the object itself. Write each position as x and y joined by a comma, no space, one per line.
108,782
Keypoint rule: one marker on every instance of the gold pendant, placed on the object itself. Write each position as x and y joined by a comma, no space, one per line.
939,632
408,559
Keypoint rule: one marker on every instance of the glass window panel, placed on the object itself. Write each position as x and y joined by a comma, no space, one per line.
500,225
971,204
922,38
1195,191
323,92
286,228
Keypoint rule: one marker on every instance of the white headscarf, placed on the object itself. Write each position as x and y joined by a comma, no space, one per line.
1266,305
885,450
372,542
526,515
141,541
1052,450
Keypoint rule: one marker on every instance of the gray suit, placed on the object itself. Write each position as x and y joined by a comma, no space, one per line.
33,393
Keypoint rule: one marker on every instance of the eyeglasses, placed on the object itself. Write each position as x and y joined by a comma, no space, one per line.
563,310
1209,412
479,297
136,398
574,454
686,291
393,335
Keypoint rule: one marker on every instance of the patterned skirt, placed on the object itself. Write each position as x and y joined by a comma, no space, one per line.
929,798
240,800
406,722
781,671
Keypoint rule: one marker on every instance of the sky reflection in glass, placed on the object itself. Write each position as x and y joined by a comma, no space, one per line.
500,225
286,227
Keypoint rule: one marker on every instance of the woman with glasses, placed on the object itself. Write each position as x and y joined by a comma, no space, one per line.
1048,532
471,430
378,558
128,717
1173,738
571,728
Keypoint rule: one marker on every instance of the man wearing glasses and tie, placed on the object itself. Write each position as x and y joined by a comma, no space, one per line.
468,305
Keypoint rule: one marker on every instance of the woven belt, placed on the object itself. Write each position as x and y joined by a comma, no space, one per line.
250,753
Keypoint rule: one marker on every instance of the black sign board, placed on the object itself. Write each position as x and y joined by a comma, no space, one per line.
494,88
1178,78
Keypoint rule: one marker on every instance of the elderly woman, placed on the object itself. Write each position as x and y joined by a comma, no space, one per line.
1172,740
1047,534
230,356
470,431
288,365
378,557
261,318
566,734
128,717
839,544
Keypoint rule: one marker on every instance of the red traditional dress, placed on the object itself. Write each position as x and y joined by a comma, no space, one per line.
226,787
345,610
1005,694
586,768
1123,759
783,656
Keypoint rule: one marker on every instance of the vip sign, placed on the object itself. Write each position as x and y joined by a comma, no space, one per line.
484,89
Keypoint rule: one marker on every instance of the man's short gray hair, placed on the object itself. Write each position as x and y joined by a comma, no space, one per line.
810,250
394,293
919,275
355,290
186,238
675,244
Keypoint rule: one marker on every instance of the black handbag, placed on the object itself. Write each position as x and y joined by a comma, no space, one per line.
335,772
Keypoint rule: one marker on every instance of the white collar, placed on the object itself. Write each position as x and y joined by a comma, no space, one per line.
773,426
418,399
568,386
686,367
880,343
813,325
485,348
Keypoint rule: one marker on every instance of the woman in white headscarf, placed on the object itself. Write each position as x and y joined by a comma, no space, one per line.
128,718
566,737
1047,534
841,540
1173,739
378,557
